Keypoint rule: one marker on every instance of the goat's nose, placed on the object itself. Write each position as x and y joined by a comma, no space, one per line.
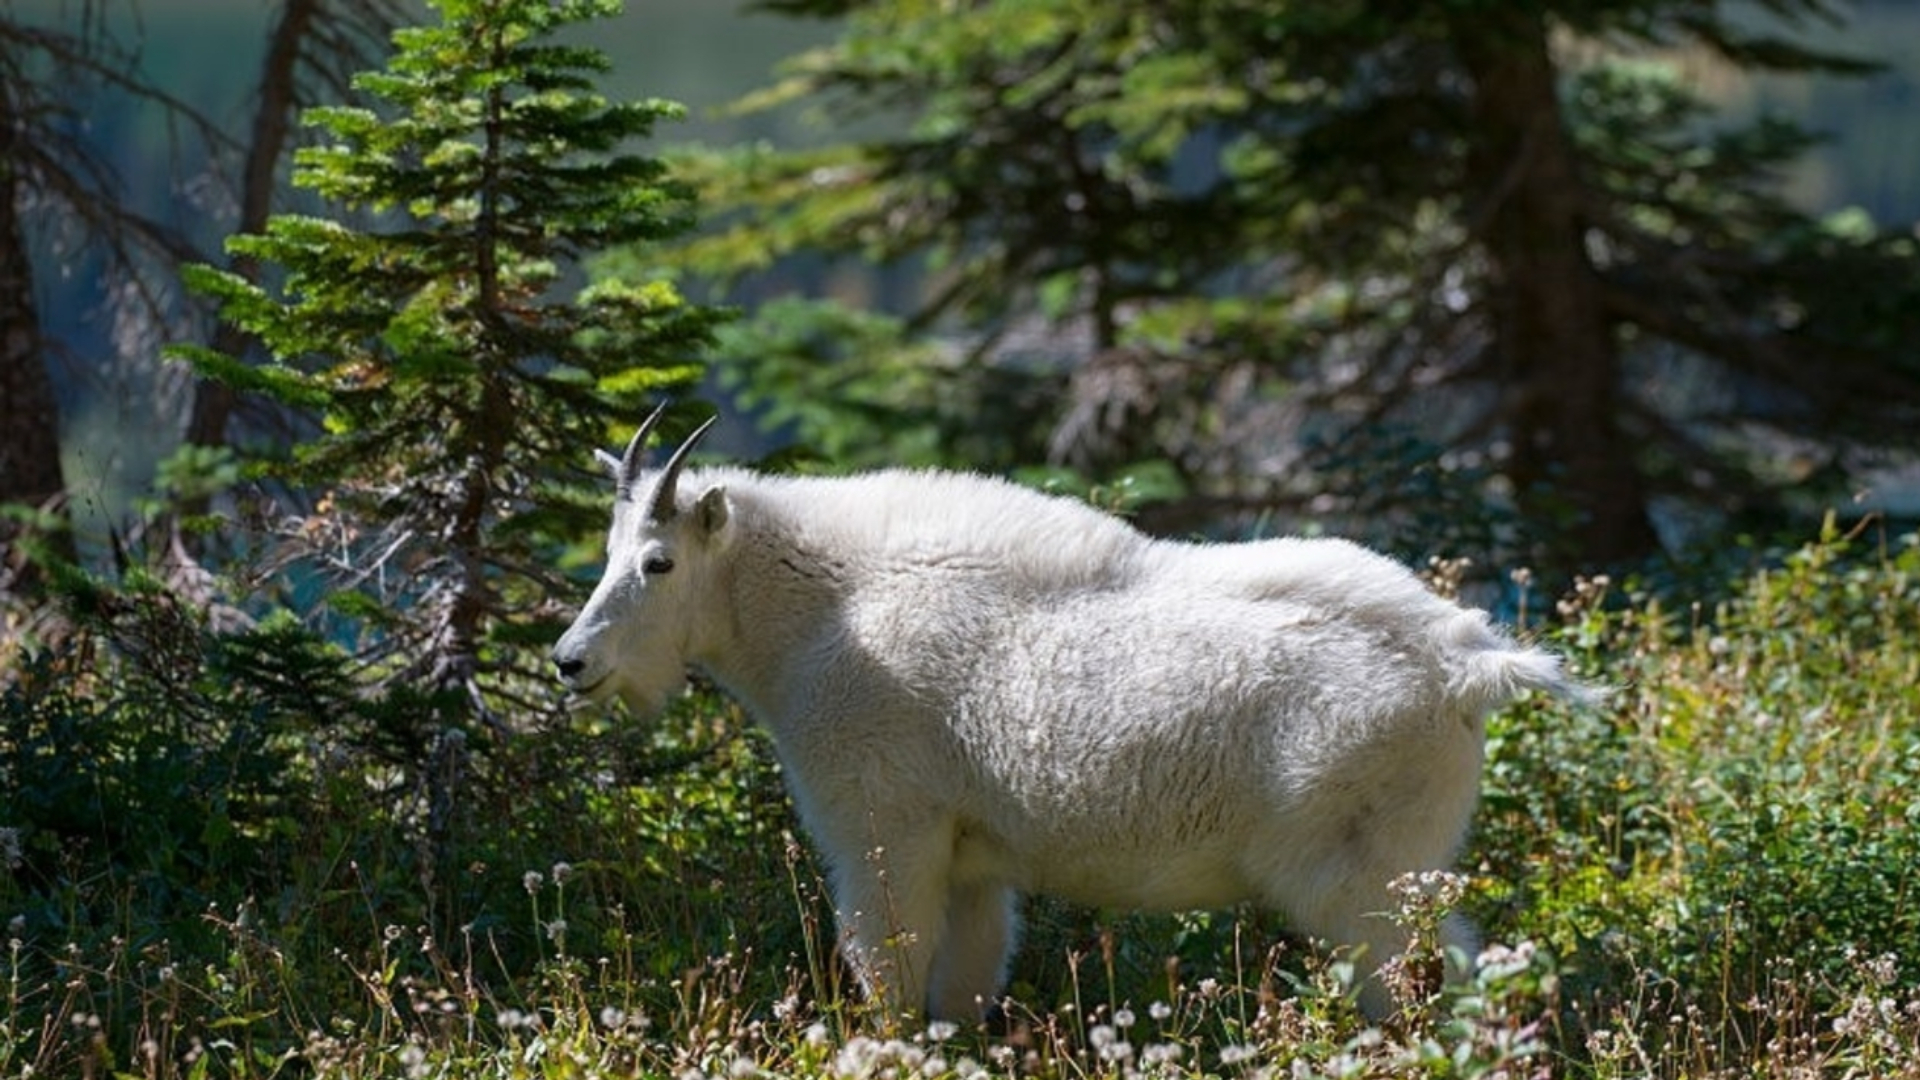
569,668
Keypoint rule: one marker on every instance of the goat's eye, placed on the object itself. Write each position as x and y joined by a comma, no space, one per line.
657,564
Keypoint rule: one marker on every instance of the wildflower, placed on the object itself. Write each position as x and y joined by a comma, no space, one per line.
1238,1054
557,930
1438,888
1160,1011
1162,1054
857,1058
1123,1018
612,1017
941,1030
1882,970
1500,961
532,880
906,1054
561,872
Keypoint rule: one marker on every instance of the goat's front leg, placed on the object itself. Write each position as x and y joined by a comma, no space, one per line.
981,921
892,906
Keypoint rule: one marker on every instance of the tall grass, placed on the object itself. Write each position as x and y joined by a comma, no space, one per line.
216,864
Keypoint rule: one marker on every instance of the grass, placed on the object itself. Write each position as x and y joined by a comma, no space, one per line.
219,862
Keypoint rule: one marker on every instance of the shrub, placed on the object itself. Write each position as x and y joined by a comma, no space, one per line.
1747,800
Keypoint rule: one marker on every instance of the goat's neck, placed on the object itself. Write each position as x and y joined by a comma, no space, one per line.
781,600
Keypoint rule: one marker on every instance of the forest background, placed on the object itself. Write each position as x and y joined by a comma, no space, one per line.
708,57
268,703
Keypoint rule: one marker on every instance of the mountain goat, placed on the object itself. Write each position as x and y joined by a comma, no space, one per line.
977,690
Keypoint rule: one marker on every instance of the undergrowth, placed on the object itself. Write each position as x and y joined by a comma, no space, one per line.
223,858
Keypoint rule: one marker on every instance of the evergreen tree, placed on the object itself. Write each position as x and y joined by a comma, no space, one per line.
459,379
1341,260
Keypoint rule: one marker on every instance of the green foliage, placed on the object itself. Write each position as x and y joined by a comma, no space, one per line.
216,855
460,382
1738,810
1265,243
855,391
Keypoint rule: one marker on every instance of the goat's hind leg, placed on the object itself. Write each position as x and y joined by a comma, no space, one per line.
1355,908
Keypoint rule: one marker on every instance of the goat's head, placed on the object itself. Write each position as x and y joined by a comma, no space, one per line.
634,637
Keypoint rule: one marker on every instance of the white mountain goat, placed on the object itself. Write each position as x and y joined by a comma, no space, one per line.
978,690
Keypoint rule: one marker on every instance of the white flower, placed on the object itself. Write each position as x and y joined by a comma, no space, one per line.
1238,1054
1157,1054
1499,961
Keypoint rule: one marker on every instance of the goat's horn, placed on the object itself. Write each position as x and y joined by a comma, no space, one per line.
660,506
630,461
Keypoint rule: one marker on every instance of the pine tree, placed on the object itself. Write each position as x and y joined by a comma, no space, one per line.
459,377
1330,260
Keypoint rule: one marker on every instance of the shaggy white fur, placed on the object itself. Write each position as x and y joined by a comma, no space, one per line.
978,690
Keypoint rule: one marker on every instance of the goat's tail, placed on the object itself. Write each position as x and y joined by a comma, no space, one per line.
1487,668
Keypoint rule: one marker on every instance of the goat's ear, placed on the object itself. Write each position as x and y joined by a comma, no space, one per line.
611,461
713,511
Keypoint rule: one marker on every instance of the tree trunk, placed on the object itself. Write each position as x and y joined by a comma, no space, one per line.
213,402
1572,466
29,415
